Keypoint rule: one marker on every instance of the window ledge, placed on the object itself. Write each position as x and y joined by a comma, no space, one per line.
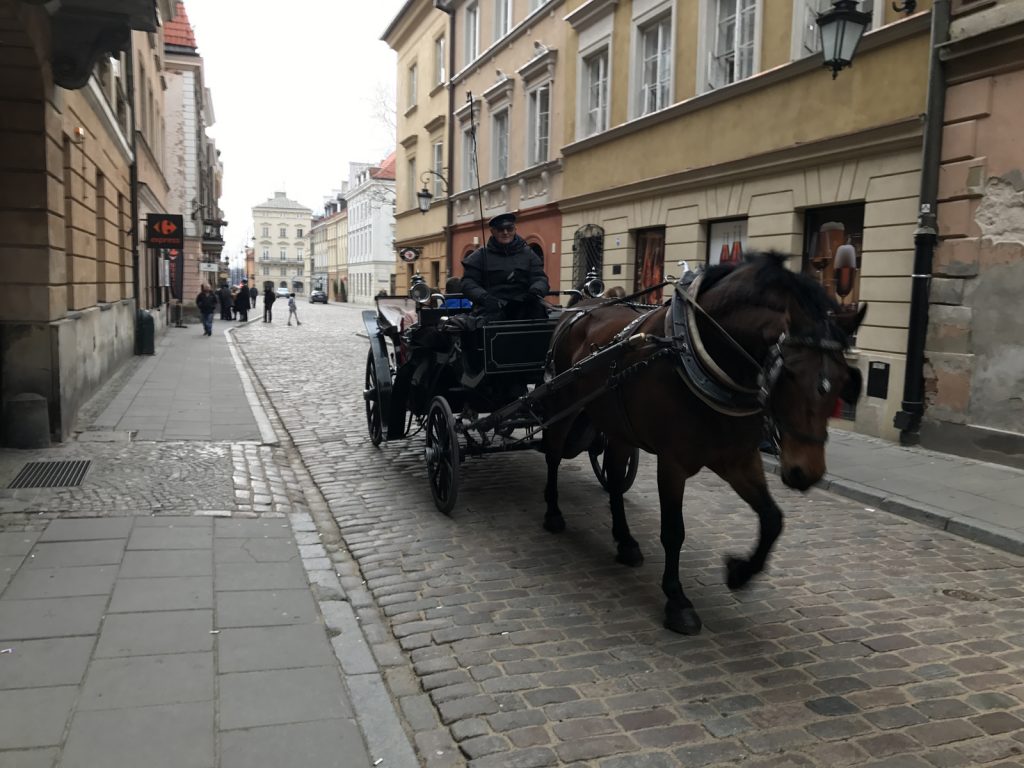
410,110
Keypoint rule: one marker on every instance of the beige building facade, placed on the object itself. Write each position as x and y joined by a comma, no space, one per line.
281,226
69,280
684,148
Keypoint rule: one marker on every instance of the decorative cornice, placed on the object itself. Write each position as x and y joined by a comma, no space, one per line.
904,134
540,65
590,12
410,140
462,113
500,91
434,123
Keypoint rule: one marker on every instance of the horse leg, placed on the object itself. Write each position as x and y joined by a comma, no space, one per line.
680,615
553,442
616,456
747,479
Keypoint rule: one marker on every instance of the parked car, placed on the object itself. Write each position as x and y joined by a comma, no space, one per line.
282,293
315,296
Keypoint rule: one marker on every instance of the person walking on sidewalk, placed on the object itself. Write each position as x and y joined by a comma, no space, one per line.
206,302
242,302
292,311
269,297
253,293
224,295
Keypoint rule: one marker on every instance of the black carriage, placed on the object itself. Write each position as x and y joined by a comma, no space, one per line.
473,388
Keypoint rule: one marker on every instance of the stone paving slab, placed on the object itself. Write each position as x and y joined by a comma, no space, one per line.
48,662
250,699
74,553
34,717
144,681
173,593
156,564
248,576
55,617
171,736
62,582
248,550
142,634
17,542
31,758
321,743
261,648
264,608
171,538
71,529
253,529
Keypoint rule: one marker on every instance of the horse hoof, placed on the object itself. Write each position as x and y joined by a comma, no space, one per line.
554,523
685,621
738,572
630,555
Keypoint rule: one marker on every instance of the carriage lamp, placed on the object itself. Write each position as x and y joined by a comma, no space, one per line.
841,29
424,196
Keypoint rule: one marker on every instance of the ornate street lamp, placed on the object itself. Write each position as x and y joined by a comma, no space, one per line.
841,29
424,197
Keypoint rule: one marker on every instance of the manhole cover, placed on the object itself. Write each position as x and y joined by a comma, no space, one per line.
51,474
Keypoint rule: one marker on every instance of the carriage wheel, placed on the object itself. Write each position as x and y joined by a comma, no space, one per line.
442,454
371,397
596,452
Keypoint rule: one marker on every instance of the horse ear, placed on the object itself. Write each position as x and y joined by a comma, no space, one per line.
850,323
851,389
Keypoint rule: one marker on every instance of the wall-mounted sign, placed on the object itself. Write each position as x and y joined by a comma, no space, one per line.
409,255
165,230
208,266
176,264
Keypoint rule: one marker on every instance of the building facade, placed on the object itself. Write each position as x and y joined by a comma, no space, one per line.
193,160
281,226
71,283
974,355
371,230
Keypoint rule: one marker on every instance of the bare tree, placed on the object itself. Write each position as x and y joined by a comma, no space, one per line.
382,108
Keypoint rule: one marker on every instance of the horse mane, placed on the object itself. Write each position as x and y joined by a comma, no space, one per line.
771,279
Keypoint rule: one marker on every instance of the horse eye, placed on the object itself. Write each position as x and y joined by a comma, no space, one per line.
824,386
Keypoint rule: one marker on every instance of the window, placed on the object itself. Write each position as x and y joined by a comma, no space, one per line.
411,202
472,33
731,57
299,253
727,241
655,65
283,271
299,271
538,130
438,150
468,159
284,232
283,254
595,92
410,96
265,254
499,148
265,269
502,18
535,4
439,61
298,231
650,262
265,230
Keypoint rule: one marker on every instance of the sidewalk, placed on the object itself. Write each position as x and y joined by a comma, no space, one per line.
978,500
182,609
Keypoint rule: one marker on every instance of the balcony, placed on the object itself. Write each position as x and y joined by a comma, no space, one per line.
213,239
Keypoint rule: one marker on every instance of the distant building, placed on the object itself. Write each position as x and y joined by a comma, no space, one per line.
282,226
371,230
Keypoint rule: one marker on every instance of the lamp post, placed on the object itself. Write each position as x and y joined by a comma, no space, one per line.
841,29
424,197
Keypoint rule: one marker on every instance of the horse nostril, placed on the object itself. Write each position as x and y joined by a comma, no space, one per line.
796,478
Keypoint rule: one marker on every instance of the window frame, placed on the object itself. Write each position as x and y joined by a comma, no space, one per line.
440,61
411,85
500,133
586,107
471,33
502,18
712,29
437,151
533,156
648,14
468,175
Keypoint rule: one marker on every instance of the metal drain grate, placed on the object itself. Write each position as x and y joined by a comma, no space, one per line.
51,474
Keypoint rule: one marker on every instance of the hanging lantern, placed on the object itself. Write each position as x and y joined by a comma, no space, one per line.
841,29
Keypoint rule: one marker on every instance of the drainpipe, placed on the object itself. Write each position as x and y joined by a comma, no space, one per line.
449,220
908,419
133,181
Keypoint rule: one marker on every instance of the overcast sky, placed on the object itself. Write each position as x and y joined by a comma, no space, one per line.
297,90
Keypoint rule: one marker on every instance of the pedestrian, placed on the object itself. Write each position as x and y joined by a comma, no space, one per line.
234,302
505,279
253,293
242,303
224,294
269,297
292,312
206,303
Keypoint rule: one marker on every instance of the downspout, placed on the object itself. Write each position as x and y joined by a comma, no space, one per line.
449,220
908,419
133,181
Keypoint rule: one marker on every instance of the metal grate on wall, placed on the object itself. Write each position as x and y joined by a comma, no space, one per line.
51,474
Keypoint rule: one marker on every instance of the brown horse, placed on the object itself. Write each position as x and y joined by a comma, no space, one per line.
754,343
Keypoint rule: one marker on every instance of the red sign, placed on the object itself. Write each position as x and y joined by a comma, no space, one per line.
165,230
409,255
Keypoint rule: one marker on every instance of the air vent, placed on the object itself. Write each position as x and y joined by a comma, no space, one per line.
51,474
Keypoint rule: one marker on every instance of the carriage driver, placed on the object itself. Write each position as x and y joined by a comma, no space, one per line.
505,279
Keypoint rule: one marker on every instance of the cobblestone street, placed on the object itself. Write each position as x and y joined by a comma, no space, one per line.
869,640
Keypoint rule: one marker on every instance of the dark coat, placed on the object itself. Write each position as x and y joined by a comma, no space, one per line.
206,302
253,293
506,273
242,301
224,294
269,297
